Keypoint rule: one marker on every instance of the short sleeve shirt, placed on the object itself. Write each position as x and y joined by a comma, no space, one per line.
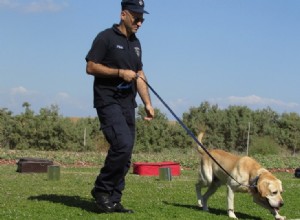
113,49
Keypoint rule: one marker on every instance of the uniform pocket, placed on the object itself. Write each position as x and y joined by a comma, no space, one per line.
110,134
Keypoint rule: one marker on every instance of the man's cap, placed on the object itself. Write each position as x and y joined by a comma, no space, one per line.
134,5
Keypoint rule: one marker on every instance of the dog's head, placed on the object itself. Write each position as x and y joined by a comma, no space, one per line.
268,192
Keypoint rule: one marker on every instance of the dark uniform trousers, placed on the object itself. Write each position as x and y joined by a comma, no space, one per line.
118,127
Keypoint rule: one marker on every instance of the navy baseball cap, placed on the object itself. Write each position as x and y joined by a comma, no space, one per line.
134,5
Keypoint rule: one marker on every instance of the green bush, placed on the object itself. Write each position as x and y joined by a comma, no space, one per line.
264,146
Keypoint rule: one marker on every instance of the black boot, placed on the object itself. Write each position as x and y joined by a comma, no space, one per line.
103,201
119,208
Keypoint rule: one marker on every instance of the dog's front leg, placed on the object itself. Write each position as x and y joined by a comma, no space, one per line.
277,215
199,196
230,202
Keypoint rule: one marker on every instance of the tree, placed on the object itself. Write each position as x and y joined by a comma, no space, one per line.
6,127
235,129
265,122
289,125
158,134
208,118
151,136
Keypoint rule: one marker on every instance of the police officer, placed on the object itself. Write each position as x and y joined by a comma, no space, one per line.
115,61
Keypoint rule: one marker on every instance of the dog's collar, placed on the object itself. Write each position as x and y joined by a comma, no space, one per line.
253,183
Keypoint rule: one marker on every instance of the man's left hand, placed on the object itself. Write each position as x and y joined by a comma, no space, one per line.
150,113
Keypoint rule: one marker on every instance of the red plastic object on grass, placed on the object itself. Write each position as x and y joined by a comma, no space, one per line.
152,169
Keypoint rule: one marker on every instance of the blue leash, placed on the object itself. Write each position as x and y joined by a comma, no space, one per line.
189,131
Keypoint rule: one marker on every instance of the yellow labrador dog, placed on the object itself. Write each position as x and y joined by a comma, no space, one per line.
265,188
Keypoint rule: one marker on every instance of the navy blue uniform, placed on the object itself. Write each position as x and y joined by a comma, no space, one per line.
115,102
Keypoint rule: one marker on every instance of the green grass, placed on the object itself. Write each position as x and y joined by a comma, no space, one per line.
33,196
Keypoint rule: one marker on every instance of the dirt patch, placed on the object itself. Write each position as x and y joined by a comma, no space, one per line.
7,162
76,164
285,170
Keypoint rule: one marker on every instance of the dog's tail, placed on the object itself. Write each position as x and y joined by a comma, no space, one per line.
199,148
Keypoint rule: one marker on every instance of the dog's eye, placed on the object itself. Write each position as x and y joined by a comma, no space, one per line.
275,192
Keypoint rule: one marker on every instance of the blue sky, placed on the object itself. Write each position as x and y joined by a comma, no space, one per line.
226,52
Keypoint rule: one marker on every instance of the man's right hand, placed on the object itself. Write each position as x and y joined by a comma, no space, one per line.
127,75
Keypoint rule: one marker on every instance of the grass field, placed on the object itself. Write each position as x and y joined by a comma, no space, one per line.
33,196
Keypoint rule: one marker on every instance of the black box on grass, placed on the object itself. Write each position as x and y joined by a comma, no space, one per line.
297,172
33,165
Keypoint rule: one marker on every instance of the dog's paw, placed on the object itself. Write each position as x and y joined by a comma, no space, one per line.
200,203
231,214
203,207
280,217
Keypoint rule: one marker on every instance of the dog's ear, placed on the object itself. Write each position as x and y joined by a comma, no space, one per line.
200,136
263,188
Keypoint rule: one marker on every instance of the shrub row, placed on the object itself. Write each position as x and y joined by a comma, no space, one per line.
236,128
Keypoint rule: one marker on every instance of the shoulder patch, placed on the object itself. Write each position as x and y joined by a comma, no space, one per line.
137,51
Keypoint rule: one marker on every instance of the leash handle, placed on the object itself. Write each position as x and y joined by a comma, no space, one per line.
188,130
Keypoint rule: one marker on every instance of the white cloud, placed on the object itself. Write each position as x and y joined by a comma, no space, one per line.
63,95
13,99
46,5
178,102
9,4
70,105
256,100
19,91
34,6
